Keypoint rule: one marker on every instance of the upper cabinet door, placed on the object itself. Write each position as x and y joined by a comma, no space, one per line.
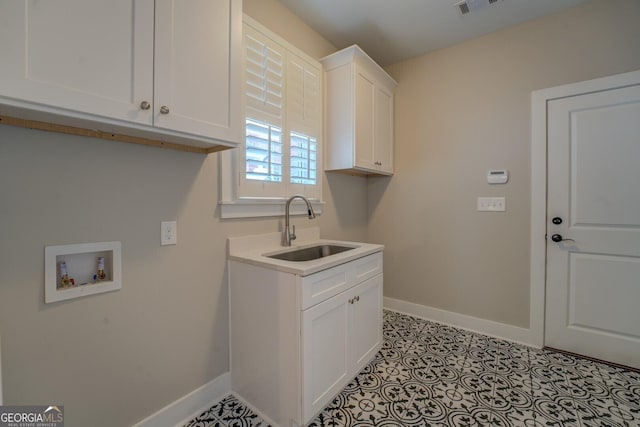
198,51
54,55
383,134
364,119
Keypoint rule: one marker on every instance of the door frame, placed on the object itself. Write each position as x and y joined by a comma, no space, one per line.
538,248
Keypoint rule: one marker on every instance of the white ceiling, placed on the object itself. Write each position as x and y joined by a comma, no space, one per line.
394,30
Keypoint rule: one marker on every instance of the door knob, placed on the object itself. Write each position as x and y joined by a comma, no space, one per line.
164,110
144,105
557,220
558,238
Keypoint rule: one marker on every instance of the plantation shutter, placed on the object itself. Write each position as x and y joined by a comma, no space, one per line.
304,122
263,157
264,73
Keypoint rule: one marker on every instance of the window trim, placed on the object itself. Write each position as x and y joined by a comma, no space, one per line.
233,206
256,207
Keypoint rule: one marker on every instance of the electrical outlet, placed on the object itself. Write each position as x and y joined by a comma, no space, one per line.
168,233
491,204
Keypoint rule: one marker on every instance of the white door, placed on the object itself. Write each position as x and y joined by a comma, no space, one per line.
593,198
197,70
87,56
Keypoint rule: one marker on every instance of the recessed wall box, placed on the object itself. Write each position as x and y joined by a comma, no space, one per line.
498,176
81,263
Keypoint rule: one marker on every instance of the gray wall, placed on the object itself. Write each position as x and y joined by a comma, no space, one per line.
464,110
115,358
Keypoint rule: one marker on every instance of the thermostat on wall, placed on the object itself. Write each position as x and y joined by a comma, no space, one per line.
498,176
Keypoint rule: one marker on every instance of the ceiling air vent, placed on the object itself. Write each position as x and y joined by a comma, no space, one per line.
468,6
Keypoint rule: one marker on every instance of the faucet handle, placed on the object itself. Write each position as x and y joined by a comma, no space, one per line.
292,236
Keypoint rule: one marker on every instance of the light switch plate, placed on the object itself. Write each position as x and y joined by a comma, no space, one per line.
492,204
168,233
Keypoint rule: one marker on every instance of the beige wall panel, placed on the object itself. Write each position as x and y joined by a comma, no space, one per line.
464,110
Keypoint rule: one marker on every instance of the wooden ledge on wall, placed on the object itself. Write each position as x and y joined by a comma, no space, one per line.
70,130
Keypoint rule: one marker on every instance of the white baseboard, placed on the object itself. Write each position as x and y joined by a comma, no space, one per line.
193,404
462,321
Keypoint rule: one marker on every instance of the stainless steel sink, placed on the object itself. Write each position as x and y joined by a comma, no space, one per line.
310,253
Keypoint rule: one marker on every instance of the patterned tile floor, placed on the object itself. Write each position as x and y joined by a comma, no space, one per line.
429,374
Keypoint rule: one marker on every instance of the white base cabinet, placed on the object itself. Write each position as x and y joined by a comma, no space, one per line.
165,69
296,341
340,336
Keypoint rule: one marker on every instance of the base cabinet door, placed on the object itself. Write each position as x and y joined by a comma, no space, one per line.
325,363
365,323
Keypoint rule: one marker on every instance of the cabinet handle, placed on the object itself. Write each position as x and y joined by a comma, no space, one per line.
164,110
357,298
144,105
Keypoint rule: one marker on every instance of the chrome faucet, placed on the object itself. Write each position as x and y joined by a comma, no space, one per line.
288,236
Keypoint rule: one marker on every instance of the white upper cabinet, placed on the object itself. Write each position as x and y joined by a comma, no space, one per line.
94,57
358,114
198,48
165,70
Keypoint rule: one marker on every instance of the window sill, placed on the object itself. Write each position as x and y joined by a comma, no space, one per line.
259,208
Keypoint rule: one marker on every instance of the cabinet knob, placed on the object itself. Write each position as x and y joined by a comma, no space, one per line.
144,105
164,110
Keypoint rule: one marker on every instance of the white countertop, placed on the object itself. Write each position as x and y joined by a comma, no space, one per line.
252,250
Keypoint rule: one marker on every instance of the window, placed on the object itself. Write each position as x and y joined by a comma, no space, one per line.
282,150
303,159
263,151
